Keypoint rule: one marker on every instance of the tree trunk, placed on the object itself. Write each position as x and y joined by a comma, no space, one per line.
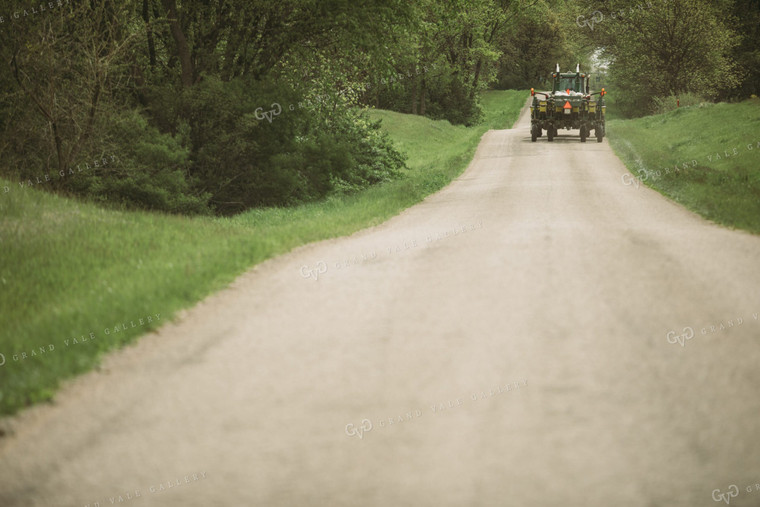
479,65
476,78
151,42
183,50
414,96
422,97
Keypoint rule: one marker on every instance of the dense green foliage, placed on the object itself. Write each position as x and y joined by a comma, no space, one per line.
458,48
745,18
221,106
673,48
197,108
540,40
113,267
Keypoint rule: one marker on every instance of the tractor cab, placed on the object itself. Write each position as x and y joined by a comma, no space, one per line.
575,82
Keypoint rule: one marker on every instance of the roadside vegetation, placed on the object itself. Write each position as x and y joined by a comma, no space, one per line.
706,157
71,268
219,107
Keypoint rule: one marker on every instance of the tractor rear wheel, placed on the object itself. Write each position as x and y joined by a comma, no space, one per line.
533,135
583,134
550,134
599,133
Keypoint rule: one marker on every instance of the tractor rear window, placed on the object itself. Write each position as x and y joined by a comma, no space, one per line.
573,83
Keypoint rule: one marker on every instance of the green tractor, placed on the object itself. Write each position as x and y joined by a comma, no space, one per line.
569,105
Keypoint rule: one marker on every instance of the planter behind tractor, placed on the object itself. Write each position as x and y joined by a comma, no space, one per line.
570,106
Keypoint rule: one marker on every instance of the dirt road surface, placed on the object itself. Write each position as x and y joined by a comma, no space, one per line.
536,334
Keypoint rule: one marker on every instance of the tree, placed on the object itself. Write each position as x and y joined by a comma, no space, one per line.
64,74
746,19
448,58
537,40
70,123
666,47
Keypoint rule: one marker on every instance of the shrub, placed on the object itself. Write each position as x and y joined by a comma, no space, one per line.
310,149
151,170
450,100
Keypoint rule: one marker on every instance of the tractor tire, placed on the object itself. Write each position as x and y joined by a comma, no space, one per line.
583,134
533,135
599,134
550,134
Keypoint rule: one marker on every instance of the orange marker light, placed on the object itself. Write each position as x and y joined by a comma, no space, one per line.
532,92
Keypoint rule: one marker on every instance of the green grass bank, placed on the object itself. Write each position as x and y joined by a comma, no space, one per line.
77,280
705,157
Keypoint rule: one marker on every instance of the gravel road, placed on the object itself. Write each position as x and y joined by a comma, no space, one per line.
536,334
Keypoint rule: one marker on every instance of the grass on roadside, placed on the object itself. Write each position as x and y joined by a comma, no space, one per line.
72,271
705,157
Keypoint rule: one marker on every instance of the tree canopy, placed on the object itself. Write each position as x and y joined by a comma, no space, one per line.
218,106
